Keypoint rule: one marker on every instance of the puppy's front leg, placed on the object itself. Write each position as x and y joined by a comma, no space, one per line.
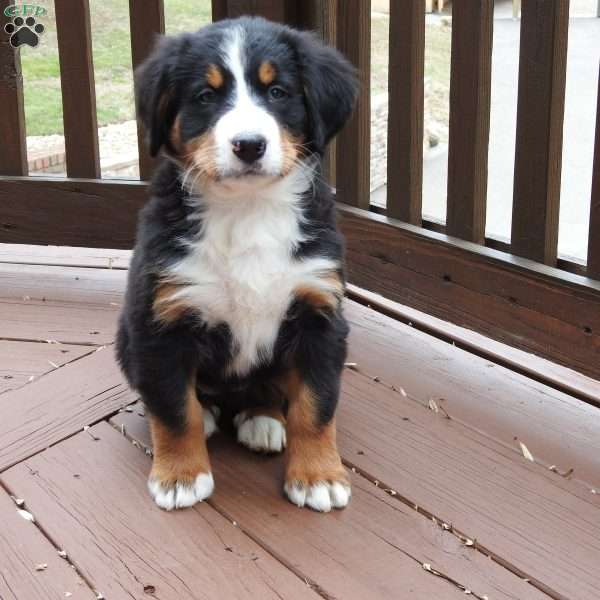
314,476
181,474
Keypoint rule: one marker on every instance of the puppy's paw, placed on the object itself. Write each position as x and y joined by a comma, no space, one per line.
210,417
260,433
181,494
321,496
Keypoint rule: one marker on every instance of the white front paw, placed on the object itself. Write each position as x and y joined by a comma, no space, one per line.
321,496
260,433
210,416
180,494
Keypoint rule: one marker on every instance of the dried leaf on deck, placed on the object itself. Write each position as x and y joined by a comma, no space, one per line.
526,453
41,567
26,515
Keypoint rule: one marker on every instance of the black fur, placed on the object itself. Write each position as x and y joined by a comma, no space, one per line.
159,359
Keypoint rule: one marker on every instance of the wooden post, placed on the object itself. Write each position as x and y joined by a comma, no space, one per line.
13,147
540,114
353,147
147,19
73,30
593,258
405,120
470,91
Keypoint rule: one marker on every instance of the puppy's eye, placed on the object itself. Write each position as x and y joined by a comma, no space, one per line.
207,96
276,92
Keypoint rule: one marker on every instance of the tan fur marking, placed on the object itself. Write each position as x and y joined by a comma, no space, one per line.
312,454
199,155
180,456
166,307
214,77
291,147
323,299
266,73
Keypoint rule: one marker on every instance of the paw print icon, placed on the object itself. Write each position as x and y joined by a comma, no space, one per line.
24,31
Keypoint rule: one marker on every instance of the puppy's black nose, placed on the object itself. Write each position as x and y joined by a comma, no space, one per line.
249,149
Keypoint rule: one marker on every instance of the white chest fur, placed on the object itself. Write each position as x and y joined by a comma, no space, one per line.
241,271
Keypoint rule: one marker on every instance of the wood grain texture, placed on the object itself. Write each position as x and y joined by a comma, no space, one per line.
270,9
469,127
593,257
13,151
325,548
540,114
73,30
146,21
353,38
91,497
103,287
22,547
68,256
219,10
22,361
63,322
85,212
559,429
513,508
531,366
59,404
521,303
405,120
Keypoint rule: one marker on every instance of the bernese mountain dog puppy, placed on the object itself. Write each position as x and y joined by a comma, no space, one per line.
233,305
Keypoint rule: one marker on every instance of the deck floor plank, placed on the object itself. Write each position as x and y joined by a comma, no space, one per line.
331,548
103,287
558,429
90,496
515,509
101,258
64,322
22,548
59,404
20,361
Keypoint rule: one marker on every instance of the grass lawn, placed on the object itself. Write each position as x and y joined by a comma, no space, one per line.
112,62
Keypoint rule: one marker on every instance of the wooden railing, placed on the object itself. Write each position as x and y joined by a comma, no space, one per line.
517,292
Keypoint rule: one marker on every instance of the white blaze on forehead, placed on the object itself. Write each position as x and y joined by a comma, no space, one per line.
245,117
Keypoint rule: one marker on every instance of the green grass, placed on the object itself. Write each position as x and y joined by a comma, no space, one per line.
112,62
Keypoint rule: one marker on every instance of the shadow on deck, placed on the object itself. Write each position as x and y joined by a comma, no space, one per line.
445,503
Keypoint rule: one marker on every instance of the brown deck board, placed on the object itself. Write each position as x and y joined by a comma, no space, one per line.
518,511
90,496
20,361
59,404
64,322
22,547
103,258
75,284
329,549
558,429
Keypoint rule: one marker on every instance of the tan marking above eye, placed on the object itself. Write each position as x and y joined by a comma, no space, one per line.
266,73
214,76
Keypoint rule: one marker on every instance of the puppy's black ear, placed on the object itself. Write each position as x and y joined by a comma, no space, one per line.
330,88
156,94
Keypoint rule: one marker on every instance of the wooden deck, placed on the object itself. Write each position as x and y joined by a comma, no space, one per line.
445,503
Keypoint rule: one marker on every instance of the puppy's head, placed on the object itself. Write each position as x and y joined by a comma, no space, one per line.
243,99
